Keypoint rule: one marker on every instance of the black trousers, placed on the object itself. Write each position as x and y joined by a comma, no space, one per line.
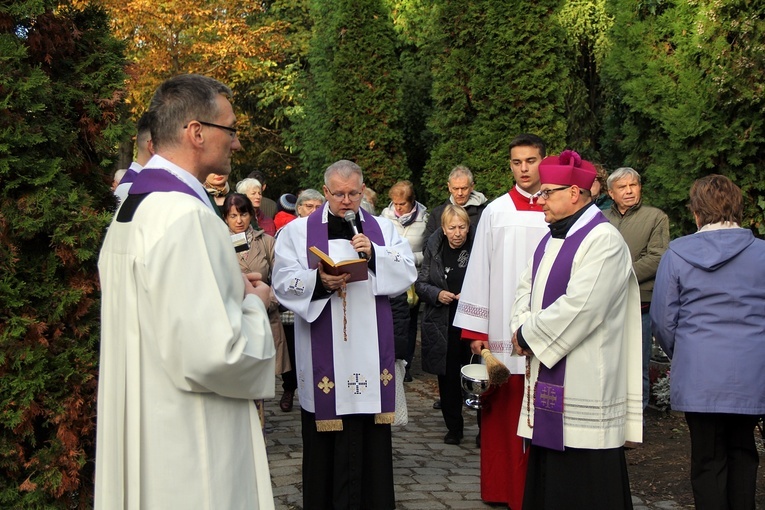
577,478
450,384
347,470
289,379
724,460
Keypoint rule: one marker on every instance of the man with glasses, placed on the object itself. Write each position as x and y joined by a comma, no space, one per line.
185,339
509,230
576,322
344,346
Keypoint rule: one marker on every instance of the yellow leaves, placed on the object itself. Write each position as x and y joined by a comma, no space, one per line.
209,37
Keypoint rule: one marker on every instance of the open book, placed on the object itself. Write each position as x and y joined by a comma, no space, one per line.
357,268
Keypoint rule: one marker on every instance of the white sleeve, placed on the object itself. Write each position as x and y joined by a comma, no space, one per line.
209,337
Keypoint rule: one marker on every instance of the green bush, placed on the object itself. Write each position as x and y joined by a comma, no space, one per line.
685,89
352,92
498,72
60,85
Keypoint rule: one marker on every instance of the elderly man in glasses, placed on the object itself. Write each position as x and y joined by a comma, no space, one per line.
576,319
509,229
344,344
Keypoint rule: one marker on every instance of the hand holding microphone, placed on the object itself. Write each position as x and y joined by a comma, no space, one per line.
360,242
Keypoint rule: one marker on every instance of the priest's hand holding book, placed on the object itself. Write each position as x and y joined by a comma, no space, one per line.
332,282
334,275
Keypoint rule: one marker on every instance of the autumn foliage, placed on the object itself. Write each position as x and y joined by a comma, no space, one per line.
216,38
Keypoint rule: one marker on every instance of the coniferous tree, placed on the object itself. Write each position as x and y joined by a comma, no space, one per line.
413,20
498,73
586,24
686,99
352,106
269,100
60,82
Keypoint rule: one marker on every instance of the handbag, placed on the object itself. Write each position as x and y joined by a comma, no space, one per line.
411,297
402,413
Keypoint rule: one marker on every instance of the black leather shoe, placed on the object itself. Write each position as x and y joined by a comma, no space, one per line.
285,404
437,404
407,376
452,438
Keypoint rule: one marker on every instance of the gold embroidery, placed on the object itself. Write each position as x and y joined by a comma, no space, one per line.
386,377
384,418
329,425
326,385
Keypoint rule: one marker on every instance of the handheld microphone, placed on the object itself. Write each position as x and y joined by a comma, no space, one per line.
350,217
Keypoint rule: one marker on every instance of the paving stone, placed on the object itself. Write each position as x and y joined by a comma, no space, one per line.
428,474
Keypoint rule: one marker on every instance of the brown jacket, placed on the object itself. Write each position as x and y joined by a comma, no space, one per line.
260,259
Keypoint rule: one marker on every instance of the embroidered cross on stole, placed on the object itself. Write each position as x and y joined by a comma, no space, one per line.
549,388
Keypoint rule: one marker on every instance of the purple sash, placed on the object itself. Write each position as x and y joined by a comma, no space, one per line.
150,180
548,390
322,339
129,176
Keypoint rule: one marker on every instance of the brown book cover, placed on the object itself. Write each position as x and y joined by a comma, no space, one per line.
357,268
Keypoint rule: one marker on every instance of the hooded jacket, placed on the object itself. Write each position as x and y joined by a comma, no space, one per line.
474,206
708,314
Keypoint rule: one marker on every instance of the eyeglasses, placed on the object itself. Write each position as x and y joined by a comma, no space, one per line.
353,196
230,129
545,193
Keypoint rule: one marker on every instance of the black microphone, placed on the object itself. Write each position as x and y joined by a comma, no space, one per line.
350,217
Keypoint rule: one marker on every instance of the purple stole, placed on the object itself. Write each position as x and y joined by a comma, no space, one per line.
322,347
548,390
150,180
129,176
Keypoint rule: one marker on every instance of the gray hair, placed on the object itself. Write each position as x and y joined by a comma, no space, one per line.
180,100
308,194
247,184
459,171
621,173
344,169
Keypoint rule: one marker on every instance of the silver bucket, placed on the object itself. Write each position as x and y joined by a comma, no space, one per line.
475,382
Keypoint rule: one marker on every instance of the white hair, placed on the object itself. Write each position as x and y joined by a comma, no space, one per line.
247,184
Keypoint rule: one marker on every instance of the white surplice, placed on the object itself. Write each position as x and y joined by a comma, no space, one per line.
183,355
504,242
294,283
596,326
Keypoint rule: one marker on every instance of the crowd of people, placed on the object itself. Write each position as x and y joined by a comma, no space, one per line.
211,290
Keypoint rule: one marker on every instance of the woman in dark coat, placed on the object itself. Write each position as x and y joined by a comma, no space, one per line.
439,284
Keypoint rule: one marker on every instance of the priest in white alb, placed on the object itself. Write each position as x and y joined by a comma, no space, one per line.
509,230
344,344
577,324
185,339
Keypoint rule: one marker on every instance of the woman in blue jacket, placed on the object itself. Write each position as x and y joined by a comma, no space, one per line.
708,313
